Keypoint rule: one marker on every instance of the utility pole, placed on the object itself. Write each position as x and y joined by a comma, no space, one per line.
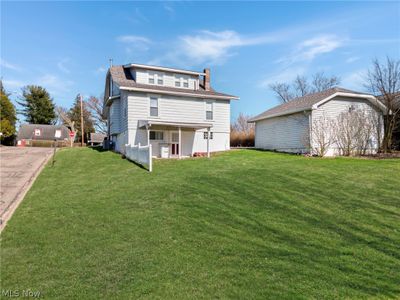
82,128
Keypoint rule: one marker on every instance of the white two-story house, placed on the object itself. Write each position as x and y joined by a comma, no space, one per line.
174,110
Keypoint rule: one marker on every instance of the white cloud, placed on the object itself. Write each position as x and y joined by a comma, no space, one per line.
286,75
169,9
134,42
215,47
13,84
7,65
352,59
355,80
309,49
54,84
101,70
62,65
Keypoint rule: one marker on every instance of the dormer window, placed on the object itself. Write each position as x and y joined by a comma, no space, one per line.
151,78
181,81
156,78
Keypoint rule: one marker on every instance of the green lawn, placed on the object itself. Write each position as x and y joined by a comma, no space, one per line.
243,224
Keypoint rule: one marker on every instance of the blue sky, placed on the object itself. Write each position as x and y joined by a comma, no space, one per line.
65,46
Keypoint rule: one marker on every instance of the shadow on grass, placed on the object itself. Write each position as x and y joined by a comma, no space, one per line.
101,149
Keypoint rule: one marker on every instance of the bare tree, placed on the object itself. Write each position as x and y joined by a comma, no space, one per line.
282,90
241,124
321,135
383,80
242,132
62,116
320,82
354,132
301,86
96,108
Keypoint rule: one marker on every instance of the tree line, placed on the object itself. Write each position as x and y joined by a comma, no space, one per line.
38,107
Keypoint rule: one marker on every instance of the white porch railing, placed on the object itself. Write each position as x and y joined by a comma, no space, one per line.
140,154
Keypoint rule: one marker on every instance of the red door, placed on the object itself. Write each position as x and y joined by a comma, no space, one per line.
174,143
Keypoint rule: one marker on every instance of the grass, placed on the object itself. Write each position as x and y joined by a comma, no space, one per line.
244,224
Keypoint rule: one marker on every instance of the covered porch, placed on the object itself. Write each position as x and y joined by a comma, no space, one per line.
170,139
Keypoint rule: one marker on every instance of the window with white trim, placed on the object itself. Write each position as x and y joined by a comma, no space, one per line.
151,78
185,82
205,136
209,110
156,135
153,106
156,78
37,132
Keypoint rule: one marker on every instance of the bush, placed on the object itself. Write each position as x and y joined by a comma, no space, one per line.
242,139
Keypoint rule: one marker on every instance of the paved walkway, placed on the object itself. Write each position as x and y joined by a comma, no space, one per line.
19,168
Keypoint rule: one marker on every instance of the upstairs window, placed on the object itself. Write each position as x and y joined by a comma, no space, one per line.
209,110
181,81
186,82
153,107
151,78
156,78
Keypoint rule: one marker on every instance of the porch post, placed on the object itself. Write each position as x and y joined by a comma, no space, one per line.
208,142
148,135
180,143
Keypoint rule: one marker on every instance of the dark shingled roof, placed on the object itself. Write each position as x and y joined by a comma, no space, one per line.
47,132
300,103
122,76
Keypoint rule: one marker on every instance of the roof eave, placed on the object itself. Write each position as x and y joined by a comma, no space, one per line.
291,112
157,68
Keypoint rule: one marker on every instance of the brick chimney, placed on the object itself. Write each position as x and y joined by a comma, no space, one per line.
206,80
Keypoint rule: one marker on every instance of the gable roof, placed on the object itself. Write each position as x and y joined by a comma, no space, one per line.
307,102
123,78
47,132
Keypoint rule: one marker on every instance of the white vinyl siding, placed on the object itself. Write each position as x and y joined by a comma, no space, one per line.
115,116
168,79
286,133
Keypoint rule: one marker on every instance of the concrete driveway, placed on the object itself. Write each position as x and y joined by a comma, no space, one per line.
19,168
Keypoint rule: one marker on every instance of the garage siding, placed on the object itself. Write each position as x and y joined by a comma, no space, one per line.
286,133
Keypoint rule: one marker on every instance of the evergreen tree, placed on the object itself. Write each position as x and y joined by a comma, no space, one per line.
37,106
75,115
8,117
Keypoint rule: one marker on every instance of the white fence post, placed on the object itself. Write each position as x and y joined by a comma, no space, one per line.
150,159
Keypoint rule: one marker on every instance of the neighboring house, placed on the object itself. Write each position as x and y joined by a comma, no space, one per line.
174,110
96,138
28,133
295,126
